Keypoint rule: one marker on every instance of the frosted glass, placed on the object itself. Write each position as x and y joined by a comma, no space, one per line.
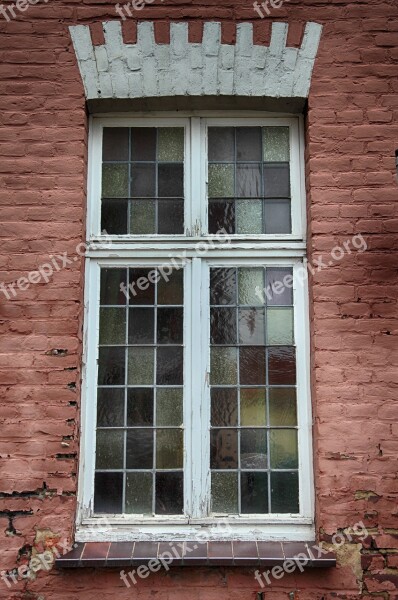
169,449
252,407
249,279
224,492
169,406
249,216
110,447
223,369
276,144
142,216
140,366
171,144
112,326
282,406
221,181
283,447
115,181
280,326
139,493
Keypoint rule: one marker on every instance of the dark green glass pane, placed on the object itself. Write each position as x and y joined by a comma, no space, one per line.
108,494
139,493
169,493
112,326
115,180
139,407
141,365
114,217
285,493
111,368
110,407
224,493
139,449
109,449
254,493
141,325
112,281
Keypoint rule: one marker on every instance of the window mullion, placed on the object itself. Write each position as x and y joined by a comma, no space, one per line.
196,178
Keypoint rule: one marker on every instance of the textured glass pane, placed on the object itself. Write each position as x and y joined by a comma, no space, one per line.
111,369
143,143
139,407
114,217
249,216
169,449
251,326
140,366
143,180
224,407
284,493
170,288
169,365
110,449
112,326
169,493
224,492
221,181
223,366
139,493
248,181
253,449
139,449
277,216
170,322
169,406
281,366
252,365
110,407
108,493
254,493
253,410
223,325
142,216
276,144
221,142
277,180
171,144
280,326
170,216
141,286
222,286
250,286
141,325
222,216
170,180
248,143
111,280
115,181
223,449
115,145
279,284
282,406
283,449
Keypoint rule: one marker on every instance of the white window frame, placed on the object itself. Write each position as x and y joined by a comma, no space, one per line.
266,250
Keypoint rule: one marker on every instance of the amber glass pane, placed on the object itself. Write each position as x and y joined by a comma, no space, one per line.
252,365
223,367
169,449
283,449
282,406
253,407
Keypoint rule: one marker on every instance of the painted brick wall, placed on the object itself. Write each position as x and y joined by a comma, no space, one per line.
351,134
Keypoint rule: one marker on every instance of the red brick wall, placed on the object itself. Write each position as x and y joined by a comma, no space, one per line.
351,134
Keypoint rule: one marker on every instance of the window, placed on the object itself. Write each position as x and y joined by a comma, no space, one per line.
196,397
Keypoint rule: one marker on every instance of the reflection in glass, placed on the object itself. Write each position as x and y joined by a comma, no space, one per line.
169,365
254,488
223,449
139,493
281,366
110,407
169,406
169,449
169,493
224,407
222,286
283,449
282,406
223,325
221,216
253,449
248,181
108,493
251,326
252,365
285,492
143,180
139,407
223,366
139,449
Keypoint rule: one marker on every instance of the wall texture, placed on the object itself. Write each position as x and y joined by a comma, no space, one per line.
351,135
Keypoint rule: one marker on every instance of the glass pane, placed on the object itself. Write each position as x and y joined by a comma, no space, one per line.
139,449
114,216
115,145
142,217
139,493
282,406
141,286
223,325
108,493
221,181
248,143
110,407
277,180
251,326
109,449
222,286
254,493
253,449
115,181
169,493
280,326
248,181
283,448
141,325
170,180
143,143
284,493
224,407
112,326
143,180
281,366
169,406
279,286
221,142
222,216
169,365
250,286
253,410
170,288
224,492
111,369
252,365
249,216
169,449
277,216
139,407
141,361
170,216
223,449
171,144
276,144
170,323
223,366
111,280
